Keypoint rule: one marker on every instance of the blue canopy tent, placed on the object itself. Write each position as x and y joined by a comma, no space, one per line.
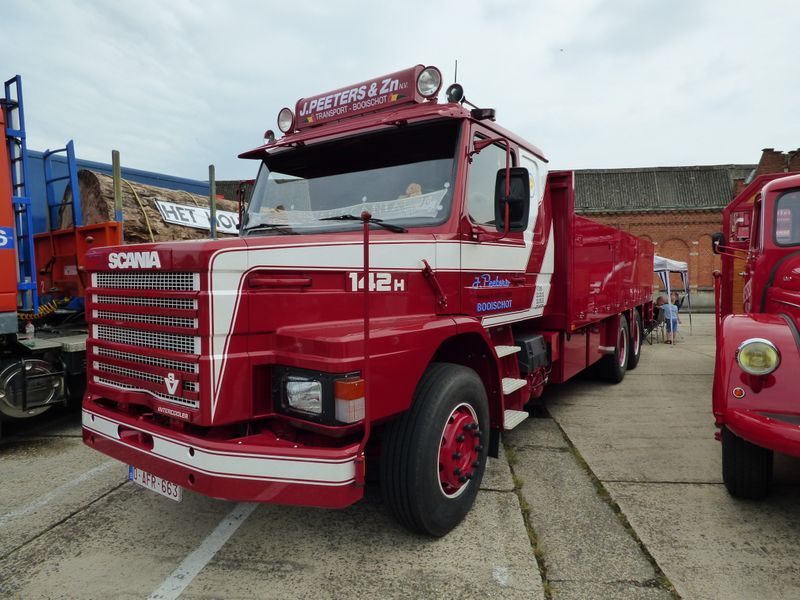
663,267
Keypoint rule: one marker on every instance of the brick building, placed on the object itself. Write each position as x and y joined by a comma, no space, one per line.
677,208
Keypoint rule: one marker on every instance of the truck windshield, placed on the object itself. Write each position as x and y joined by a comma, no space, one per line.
403,176
787,219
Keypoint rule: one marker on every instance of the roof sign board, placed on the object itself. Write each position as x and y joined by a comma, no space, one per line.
375,94
197,217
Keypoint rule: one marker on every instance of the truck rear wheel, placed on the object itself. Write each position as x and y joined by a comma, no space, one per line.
746,468
635,341
614,365
433,457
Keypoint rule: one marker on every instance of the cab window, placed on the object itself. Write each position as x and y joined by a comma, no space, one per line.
787,219
481,182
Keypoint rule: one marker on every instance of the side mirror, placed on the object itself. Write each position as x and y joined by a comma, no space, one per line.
717,240
519,199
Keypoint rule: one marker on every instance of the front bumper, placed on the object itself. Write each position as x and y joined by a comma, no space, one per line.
777,432
229,470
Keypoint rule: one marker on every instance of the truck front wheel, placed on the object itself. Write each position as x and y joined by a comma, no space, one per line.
433,457
614,365
746,468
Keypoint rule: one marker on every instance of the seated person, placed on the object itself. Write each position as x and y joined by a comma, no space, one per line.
658,308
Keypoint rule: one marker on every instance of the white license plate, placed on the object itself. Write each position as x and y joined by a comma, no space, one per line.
158,485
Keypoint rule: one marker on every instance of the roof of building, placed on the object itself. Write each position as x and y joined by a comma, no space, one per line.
657,188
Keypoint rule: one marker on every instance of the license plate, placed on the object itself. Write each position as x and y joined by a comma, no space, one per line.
156,484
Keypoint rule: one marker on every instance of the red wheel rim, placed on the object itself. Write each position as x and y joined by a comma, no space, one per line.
622,347
459,450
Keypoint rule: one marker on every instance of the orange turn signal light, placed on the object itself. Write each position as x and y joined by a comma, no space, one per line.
349,396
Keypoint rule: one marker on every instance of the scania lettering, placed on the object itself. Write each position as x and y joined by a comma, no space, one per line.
134,260
408,279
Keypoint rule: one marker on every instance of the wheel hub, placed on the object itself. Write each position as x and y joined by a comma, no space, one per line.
637,336
459,450
622,345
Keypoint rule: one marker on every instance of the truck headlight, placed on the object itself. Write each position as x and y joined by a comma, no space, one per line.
758,356
304,394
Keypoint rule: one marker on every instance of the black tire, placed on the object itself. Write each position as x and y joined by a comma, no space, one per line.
613,366
411,469
746,468
635,343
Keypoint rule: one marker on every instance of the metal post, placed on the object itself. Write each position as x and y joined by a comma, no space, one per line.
212,201
117,174
365,374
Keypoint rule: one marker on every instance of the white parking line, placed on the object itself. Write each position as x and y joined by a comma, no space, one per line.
182,576
20,512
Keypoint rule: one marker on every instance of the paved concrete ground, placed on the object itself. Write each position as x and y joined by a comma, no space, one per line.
71,527
585,549
650,442
545,525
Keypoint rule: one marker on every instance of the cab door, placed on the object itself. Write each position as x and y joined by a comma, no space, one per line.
753,254
499,278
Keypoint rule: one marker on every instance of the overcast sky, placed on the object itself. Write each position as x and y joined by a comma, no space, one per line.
179,84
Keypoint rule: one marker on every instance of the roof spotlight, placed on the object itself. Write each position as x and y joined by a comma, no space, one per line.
269,136
429,81
455,93
285,120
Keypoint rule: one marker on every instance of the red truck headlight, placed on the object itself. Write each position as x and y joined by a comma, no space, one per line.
303,394
758,356
327,398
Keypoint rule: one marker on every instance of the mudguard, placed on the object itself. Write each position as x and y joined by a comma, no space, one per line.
767,413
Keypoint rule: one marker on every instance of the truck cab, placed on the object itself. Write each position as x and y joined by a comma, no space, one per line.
758,315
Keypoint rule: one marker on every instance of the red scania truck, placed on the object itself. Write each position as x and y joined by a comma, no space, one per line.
261,369
755,403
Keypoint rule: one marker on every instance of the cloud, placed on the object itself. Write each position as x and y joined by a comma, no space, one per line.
175,86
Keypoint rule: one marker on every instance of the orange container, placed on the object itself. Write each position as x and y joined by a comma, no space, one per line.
61,255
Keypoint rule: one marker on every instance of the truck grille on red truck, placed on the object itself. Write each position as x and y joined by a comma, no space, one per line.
144,334
147,281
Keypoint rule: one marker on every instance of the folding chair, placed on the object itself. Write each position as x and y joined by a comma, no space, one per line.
656,327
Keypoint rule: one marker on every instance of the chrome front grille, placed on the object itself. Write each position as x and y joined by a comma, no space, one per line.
180,322
172,342
164,363
178,303
125,372
165,397
144,334
147,280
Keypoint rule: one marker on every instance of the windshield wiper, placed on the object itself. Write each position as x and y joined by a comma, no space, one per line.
279,227
378,222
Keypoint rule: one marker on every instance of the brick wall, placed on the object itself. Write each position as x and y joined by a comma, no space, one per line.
775,161
686,235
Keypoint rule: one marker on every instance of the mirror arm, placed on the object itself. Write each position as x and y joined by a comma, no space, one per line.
506,225
731,252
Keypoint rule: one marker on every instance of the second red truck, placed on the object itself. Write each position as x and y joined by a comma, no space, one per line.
236,368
